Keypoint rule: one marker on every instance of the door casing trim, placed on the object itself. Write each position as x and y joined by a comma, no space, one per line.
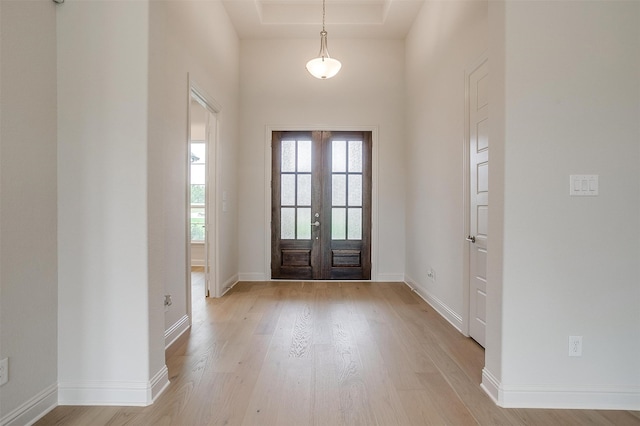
374,188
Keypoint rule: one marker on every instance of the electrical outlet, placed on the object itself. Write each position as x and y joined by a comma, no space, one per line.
431,274
4,371
575,345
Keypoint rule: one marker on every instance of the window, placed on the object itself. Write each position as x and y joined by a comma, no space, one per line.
198,196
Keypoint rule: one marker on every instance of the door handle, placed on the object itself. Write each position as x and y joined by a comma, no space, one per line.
316,223
471,239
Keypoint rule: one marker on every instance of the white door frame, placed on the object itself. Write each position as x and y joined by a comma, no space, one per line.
466,296
212,202
374,188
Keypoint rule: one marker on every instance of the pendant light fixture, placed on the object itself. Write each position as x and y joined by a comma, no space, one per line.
323,66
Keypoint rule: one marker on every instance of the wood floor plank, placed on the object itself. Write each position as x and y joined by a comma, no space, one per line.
323,354
302,333
353,398
401,366
296,399
322,325
325,398
420,408
476,401
384,401
264,401
449,405
271,314
621,418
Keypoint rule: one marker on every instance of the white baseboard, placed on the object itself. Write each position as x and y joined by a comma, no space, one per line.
158,384
583,398
135,394
228,285
95,393
176,330
445,311
393,278
34,409
561,397
252,276
490,385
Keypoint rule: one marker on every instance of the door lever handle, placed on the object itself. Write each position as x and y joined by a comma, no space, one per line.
316,223
471,239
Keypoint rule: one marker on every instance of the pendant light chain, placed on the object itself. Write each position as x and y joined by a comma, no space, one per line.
323,14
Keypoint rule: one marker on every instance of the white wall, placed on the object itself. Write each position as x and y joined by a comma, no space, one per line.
111,319
446,38
368,91
105,312
197,254
28,229
570,102
123,142
196,39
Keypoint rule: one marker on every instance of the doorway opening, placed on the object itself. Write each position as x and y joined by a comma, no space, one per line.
321,196
202,196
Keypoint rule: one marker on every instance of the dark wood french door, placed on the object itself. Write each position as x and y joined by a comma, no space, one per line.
321,205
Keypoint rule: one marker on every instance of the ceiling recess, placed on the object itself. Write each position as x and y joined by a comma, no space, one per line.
258,19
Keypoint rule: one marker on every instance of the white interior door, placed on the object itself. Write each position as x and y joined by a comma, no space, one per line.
479,199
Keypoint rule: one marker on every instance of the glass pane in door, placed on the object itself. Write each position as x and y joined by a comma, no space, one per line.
338,223
355,190
304,190
295,190
304,156
288,158
338,190
339,156
304,223
288,190
346,189
355,156
354,224
288,223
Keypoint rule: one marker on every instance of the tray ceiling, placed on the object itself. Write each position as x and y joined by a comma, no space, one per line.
256,19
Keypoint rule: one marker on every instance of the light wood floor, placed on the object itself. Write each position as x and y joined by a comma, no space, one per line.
324,354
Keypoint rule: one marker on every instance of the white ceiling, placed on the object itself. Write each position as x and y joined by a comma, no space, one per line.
258,19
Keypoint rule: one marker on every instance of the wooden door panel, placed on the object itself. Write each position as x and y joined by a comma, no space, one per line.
296,258
347,258
292,248
333,249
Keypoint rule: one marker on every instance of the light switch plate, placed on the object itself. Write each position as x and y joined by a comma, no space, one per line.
583,185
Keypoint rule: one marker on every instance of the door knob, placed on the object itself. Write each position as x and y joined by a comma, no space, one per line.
471,239
316,223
